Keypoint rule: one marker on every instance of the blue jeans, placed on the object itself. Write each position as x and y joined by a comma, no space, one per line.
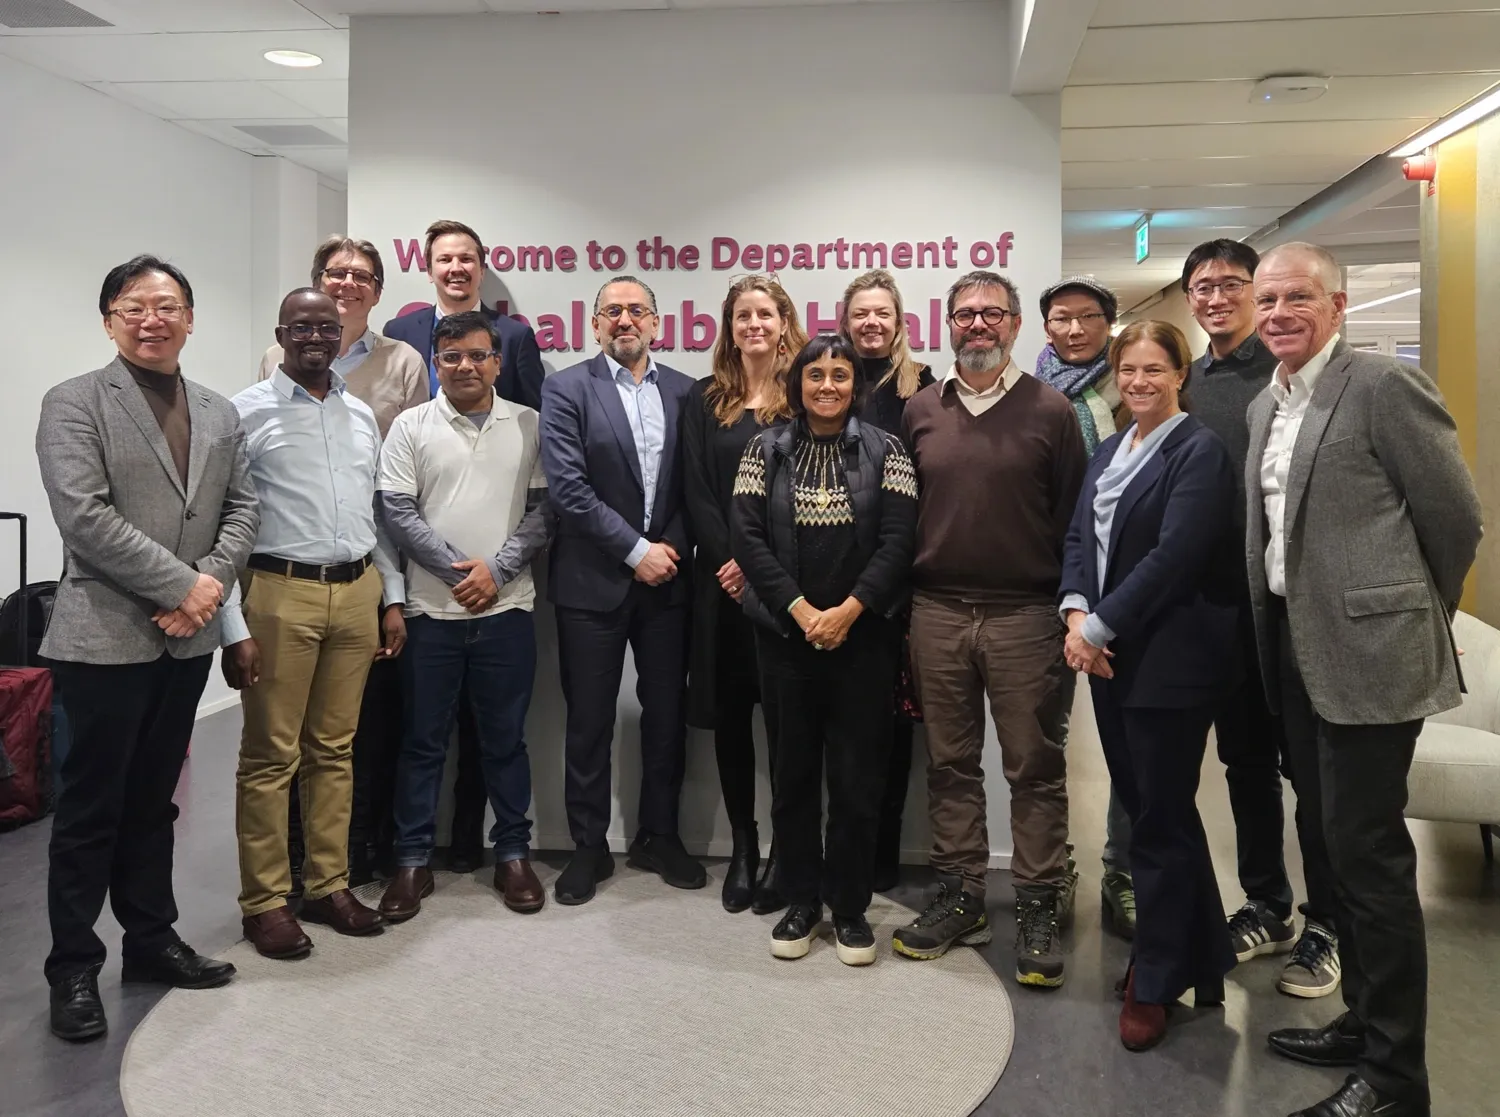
497,657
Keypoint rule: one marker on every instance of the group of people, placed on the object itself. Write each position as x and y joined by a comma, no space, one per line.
821,527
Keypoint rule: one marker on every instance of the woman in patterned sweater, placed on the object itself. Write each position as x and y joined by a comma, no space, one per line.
823,526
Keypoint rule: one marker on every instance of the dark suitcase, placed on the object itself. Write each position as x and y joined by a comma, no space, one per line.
25,713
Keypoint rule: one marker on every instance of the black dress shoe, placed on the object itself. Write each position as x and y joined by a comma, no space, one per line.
1339,1044
77,1013
1357,1098
663,855
179,966
739,880
587,867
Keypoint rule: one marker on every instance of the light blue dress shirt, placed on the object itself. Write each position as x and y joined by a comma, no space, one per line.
350,361
648,426
314,463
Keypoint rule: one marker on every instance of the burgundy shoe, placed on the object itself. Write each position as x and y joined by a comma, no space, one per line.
404,895
343,912
1142,1026
276,933
516,881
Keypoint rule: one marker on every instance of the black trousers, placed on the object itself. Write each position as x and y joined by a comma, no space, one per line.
736,693
591,650
831,714
1251,749
1155,757
1351,794
112,833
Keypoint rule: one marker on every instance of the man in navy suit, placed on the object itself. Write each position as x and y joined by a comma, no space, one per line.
455,266
614,470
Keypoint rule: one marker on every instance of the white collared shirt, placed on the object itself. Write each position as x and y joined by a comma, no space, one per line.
1276,462
977,403
646,413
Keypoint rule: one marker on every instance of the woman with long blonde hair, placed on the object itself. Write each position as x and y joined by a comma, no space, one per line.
874,320
759,334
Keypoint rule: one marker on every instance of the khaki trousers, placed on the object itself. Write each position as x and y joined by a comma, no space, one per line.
960,654
316,645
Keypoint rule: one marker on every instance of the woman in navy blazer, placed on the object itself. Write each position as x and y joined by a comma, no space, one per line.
1148,558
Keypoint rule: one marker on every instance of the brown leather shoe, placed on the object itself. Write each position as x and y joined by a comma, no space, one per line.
276,933
516,881
343,912
404,895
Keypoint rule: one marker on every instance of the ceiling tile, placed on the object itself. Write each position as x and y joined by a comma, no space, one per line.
1204,172
1173,197
216,100
1117,13
192,57
337,12
323,98
531,6
330,161
179,16
1291,141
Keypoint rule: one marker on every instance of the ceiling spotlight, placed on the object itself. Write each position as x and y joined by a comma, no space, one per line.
299,59
1288,89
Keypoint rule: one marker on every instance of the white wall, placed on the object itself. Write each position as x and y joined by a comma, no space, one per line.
333,212
884,122
88,182
1174,308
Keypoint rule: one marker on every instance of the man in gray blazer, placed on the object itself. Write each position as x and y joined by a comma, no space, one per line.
1362,524
148,482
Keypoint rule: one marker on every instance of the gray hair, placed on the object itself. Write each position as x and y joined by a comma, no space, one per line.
984,279
1328,270
650,294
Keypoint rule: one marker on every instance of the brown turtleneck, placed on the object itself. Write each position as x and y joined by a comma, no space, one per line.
167,399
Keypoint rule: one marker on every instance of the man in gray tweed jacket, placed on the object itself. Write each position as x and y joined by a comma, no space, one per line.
148,482
1362,525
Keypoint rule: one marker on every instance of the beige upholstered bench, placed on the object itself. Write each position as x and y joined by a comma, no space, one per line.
1455,776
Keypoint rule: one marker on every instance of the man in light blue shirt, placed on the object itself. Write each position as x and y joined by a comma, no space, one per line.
300,641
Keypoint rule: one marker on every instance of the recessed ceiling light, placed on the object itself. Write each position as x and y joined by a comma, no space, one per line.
301,59
1288,89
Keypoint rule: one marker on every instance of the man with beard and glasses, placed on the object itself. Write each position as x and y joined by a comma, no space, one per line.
322,597
455,266
618,576
1000,460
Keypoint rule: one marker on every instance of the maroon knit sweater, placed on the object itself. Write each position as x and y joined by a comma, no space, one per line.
996,492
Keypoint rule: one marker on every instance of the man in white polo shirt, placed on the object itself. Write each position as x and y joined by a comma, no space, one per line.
463,495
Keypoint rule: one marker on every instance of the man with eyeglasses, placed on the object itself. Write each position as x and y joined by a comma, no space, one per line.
390,376
301,632
1217,279
1000,461
463,495
618,577
146,475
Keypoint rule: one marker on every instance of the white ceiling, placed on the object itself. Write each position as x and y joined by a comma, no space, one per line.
1156,115
1157,118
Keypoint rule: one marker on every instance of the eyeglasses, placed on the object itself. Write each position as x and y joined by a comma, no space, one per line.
1065,321
135,315
306,331
613,311
992,315
452,358
1232,288
360,277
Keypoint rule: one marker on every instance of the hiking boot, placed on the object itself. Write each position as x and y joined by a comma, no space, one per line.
1254,931
1117,902
953,916
1313,969
1038,948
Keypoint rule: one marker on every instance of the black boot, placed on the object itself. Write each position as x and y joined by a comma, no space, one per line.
768,897
744,861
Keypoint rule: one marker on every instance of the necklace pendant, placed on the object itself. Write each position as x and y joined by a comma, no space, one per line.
823,498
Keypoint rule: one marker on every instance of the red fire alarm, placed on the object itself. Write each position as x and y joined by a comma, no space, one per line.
1420,168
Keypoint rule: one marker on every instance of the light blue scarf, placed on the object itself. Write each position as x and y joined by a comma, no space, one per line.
1117,476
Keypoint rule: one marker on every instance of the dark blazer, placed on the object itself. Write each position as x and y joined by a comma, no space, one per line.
521,370
594,481
1169,574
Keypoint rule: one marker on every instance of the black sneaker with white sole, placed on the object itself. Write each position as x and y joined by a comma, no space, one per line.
953,916
854,940
1313,970
1254,930
793,936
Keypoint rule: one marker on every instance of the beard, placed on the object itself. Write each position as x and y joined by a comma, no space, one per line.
626,348
981,360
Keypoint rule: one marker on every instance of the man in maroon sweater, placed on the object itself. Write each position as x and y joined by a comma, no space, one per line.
1000,460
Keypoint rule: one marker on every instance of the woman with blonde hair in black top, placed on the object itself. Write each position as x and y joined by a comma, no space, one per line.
874,321
759,334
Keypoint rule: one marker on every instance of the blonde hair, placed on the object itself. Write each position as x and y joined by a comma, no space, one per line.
729,390
904,369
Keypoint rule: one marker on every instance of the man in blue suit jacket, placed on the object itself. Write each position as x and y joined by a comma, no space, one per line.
455,265
614,472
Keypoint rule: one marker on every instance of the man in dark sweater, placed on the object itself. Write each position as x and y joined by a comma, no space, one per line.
1217,281
1000,460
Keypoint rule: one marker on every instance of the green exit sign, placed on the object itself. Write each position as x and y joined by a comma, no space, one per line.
1143,239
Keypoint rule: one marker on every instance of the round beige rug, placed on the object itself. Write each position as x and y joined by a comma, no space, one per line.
648,1002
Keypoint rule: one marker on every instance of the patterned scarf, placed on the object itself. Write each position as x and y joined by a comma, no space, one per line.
1077,383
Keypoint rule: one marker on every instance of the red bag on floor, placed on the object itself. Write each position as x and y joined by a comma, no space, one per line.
25,745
